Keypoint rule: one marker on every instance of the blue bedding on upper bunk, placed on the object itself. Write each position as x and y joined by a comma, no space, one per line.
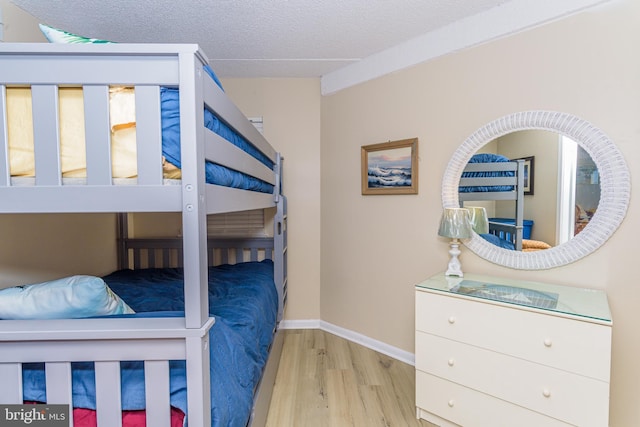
215,173
242,299
486,158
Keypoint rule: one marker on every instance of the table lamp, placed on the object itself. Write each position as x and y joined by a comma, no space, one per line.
479,219
455,224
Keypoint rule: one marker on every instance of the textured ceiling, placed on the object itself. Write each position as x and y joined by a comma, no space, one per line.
260,37
282,38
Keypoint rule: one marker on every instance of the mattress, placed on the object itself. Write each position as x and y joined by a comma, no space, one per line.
243,301
123,137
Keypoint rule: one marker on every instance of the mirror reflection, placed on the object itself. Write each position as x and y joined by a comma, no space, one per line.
556,197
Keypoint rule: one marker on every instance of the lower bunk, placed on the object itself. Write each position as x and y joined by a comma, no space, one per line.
131,368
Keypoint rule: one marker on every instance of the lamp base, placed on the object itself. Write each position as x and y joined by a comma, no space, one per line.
454,268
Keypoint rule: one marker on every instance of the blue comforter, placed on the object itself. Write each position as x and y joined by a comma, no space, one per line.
215,173
487,158
243,300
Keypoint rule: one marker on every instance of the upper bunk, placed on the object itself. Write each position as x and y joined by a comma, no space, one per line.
492,177
81,109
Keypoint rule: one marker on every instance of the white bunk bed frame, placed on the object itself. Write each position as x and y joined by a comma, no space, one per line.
515,230
45,67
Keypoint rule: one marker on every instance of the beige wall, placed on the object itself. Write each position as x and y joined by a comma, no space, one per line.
291,112
41,247
19,26
376,248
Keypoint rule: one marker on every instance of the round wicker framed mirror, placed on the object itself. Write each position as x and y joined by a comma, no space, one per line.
614,182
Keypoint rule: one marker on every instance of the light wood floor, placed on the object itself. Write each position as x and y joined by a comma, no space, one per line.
324,380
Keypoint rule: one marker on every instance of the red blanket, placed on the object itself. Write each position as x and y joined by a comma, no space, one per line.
87,418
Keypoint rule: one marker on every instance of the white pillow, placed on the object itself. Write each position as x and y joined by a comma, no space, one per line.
67,298
55,35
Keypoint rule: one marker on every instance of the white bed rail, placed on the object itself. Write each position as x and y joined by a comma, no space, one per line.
106,342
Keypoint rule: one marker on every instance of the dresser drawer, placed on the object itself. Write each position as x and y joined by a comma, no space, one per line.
559,394
470,408
565,343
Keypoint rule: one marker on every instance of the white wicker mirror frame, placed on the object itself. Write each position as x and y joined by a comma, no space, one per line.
614,182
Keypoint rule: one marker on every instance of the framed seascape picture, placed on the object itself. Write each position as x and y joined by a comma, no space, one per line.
529,169
390,167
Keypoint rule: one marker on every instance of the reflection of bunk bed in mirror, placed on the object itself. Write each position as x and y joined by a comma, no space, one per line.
162,362
490,177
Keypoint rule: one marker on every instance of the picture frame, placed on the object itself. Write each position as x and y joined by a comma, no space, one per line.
390,167
529,174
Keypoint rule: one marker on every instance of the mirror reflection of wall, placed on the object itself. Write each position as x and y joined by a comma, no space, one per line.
587,190
556,216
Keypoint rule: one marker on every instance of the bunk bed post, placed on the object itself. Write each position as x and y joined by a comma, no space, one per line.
5,173
519,205
196,296
122,233
193,198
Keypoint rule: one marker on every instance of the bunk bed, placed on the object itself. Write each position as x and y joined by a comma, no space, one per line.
492,177
163,358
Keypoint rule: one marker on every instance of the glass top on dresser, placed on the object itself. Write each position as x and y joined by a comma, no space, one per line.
588,303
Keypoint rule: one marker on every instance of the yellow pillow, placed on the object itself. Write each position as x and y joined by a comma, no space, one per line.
534,245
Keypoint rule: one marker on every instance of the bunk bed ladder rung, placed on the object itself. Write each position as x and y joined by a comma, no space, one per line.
11,390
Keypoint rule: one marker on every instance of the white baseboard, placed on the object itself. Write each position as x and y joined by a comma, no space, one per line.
379,346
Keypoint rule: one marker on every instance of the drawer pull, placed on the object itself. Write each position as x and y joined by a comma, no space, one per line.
451,403
452,320
546,392
451,362
548,342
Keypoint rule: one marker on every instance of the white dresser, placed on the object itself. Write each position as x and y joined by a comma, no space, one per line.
496,352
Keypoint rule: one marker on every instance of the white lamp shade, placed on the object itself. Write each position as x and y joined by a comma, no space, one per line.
455,223
479,219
